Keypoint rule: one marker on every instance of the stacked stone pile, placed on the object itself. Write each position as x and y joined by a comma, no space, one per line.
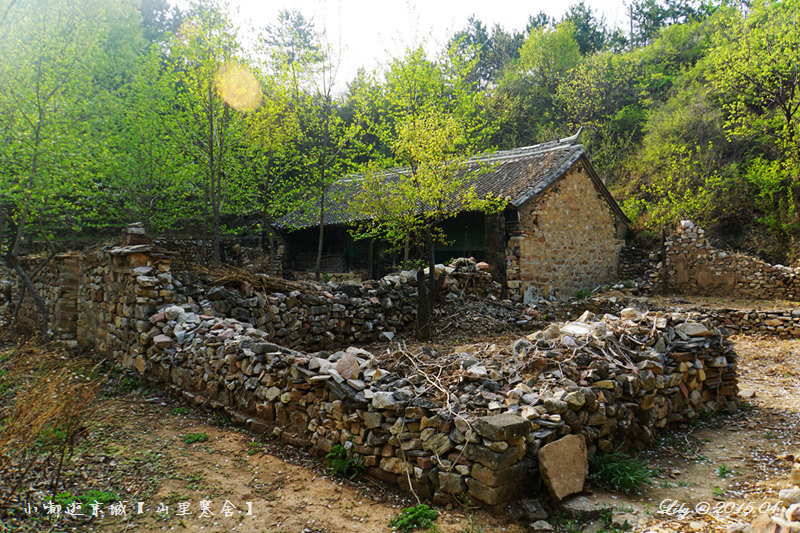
781,322
471,421
340,314
120,288
691,265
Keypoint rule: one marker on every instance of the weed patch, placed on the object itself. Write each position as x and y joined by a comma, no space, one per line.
343,463
618,471
412,518
191,438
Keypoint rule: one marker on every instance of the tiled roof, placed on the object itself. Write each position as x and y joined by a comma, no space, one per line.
518,174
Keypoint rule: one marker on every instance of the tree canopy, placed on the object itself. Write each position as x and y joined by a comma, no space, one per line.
123,111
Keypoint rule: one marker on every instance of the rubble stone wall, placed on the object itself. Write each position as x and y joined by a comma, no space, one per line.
190,253
344,314
568,238
690,265
561,381
57,284
486,443
99,298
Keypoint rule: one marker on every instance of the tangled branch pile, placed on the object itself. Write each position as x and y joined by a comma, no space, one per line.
230,276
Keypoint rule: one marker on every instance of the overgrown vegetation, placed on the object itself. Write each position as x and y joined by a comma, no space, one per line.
343,463
49,406
417,517
690,111
619,471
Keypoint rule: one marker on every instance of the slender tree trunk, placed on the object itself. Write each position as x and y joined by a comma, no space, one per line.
318,265
213,175
426,293
424,310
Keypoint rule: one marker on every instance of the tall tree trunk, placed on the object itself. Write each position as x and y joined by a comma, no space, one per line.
427,290
318,265
213,174
424,308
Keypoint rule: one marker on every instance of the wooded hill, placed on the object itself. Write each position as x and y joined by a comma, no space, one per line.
113,112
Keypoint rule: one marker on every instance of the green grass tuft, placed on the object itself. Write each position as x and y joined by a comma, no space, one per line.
191,438
413,518
343,463
619,471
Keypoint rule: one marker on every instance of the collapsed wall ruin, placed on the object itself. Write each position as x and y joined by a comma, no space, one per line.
690,265
477,428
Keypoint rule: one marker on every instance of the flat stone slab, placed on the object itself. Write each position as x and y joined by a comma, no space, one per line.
502,427
564,466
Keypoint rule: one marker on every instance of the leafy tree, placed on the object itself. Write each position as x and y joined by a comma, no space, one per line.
755,68
148,178
756,65
493,52
412,206
589,32
211,91
525,96
649,17
45,177
271,152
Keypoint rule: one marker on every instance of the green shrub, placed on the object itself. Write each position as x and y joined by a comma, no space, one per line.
181,411
343,463
618,471
191,438
413,518
583,294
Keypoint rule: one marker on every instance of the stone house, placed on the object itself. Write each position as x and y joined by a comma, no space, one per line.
561,231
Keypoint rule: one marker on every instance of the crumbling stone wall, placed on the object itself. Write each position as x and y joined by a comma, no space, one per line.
568,239
485,442
341,315
690,265
98,299
57,284
120,288
243,252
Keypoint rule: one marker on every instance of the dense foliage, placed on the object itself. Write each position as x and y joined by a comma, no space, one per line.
113,112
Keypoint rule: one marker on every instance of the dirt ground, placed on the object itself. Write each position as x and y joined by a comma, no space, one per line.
711,474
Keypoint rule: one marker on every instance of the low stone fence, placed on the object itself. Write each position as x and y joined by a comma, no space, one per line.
341,314
443,424
690,265
783,323
477,430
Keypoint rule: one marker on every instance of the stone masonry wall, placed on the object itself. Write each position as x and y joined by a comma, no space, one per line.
690,265
505,407
503,404
341,315
57,284
568,238
120,288
97,298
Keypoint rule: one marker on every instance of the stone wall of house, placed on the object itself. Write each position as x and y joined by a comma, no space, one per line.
568,238
690,265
